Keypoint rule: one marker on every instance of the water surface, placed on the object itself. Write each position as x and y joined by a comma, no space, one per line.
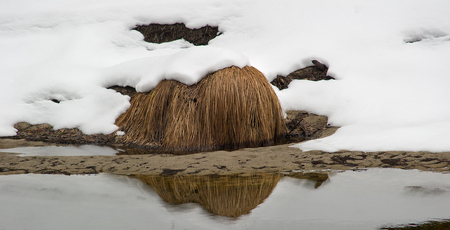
369,199
70,150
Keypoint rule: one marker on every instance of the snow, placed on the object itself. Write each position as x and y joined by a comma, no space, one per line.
349,200
389,59
188,66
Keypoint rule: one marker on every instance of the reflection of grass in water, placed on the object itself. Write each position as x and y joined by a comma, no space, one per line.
430,225
230,196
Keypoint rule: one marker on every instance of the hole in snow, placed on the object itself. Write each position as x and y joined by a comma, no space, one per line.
160,33
55,96
418,36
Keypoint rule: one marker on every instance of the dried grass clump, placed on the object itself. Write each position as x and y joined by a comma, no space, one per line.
230,196
229,109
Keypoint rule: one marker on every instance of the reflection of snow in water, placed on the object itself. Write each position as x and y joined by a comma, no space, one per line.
83,150
348,200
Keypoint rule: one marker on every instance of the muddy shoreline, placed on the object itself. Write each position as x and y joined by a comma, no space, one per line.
272,159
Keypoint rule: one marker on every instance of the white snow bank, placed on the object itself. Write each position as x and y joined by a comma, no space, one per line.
66,51
187,66
390,59
428,137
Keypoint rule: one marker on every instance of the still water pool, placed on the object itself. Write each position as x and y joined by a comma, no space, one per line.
82,150
369,199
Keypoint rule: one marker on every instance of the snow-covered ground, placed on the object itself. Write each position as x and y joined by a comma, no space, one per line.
390,59
349,200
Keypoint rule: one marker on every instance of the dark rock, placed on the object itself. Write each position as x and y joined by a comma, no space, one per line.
313,123
302,125
22,125
39,127
160,33
46,133
320,66
281,82
313,73
292,115
124,90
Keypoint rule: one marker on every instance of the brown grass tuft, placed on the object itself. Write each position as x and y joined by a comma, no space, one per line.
230,196
229,109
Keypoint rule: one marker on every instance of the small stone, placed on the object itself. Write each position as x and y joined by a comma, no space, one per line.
40,126
22,125
281,82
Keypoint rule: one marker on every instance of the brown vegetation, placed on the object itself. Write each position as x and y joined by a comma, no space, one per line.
229,109
230,196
